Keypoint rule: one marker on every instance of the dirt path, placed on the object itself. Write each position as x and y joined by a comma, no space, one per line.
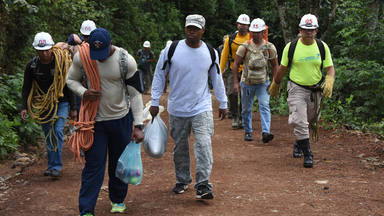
249,178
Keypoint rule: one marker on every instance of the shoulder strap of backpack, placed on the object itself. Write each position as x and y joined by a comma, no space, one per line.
213,58
291,51
35,62
320,45
171,51
230,40
123,63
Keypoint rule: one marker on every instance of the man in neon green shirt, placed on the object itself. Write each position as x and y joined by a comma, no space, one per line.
306,85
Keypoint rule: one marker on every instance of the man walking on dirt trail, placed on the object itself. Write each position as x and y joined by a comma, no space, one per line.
228,55
256,55
305,59
145,57
190,103
114,118
47,98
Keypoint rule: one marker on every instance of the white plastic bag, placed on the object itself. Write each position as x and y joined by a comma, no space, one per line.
155,138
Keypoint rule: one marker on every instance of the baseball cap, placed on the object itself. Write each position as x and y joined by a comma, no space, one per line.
309,21
99,44
243,19
87,26
195,20
257,25
43,41
147,44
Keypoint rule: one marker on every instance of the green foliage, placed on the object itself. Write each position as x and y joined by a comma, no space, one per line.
359,30
13,131
8,136
365,81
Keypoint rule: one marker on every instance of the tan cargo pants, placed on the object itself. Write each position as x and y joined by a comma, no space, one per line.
302,109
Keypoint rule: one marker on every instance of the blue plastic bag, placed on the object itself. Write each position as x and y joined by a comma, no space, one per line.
155,138
129,167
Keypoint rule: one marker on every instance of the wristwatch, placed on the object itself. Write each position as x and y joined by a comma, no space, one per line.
140,126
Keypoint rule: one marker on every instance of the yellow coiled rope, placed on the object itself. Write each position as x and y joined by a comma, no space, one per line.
43,106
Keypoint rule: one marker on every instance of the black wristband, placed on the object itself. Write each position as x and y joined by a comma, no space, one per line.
140,126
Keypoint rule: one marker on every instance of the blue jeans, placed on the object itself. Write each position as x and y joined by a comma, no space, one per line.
247,98
110,136
54,156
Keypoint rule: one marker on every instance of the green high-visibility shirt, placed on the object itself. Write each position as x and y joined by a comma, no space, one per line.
306,62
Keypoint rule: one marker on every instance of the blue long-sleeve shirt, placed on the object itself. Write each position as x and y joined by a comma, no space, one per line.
188,80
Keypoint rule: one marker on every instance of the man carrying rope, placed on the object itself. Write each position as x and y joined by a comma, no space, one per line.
106,117
47,98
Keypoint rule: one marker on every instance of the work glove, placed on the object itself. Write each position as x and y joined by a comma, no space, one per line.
328,86
274,89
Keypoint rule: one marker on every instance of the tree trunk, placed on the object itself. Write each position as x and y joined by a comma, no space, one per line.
287,31
374,8
330,20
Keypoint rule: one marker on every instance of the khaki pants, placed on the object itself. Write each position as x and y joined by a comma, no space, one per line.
302,109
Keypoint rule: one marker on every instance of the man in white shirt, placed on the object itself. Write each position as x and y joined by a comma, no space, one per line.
190,104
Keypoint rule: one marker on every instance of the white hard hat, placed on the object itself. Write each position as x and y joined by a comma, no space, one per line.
168,42
147,44
43,41
257,25
87,26
309,21
243,19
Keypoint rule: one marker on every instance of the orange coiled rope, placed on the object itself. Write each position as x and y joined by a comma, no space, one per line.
82,139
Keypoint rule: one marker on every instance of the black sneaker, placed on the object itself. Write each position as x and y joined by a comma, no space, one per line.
267,137
248,136
204,192
47,172
180,188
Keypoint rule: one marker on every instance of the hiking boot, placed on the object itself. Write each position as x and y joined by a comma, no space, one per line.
204,192
47,172
229,114
180,188
240,124
306,149
235,122
266,137
248,136
117,207
297,153
55,173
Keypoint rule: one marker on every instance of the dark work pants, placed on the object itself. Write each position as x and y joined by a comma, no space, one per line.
235,108
110,136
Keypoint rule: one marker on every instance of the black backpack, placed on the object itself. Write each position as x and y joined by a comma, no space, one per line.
172,49
292,48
